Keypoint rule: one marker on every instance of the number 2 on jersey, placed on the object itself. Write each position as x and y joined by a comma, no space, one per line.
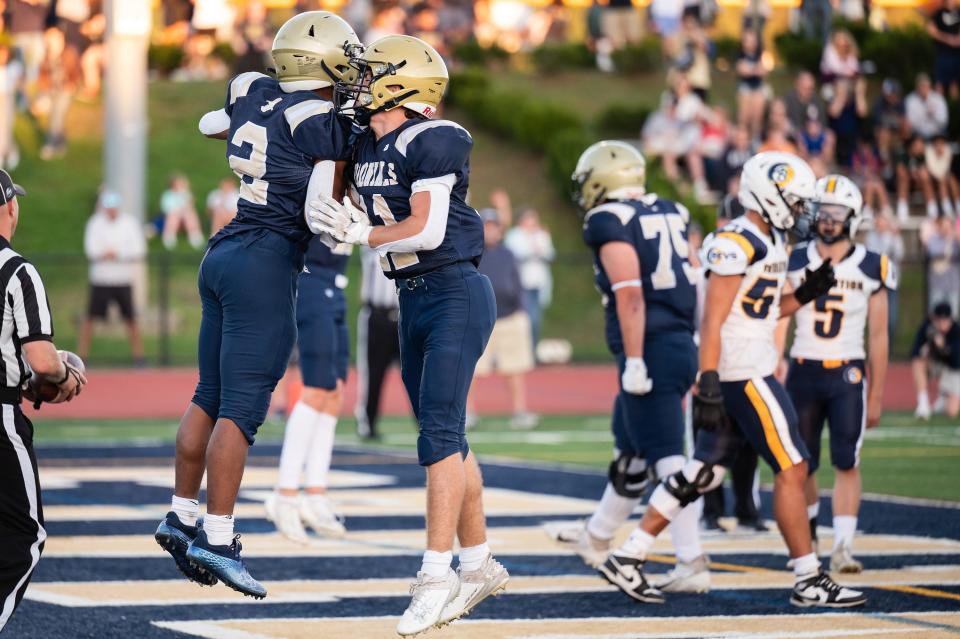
669,229
254,166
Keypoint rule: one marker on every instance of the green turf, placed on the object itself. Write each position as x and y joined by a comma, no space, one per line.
902,457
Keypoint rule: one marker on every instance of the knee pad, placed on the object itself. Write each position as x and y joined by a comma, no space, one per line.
629,476
693,480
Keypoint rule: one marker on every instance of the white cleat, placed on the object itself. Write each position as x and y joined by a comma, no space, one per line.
576,537
475,586
317,512
842,561
691,576
923,411
285,515
430,595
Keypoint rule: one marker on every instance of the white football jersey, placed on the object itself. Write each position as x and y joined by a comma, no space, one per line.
831,327
747,347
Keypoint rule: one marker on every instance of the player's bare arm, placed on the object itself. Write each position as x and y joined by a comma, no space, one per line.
878,356
623,268
721,293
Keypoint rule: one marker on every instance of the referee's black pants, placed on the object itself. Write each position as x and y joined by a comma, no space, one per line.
378,347
21,514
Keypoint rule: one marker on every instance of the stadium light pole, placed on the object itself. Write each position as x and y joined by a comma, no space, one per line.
125,115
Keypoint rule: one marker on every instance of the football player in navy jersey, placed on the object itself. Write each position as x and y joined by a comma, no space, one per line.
282,135
409,179
323,342
639,244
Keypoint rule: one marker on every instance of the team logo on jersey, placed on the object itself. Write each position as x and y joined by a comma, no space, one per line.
268,107
853,375
374,174
715,256
781,174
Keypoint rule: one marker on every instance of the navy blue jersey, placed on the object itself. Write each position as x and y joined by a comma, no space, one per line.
274,139
386,172
320,259
657,229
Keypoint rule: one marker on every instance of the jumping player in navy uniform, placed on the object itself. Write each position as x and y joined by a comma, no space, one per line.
827,379
282,134
639,244
737,396
323,343
409,177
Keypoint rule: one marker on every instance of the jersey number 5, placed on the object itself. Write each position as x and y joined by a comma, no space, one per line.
669,229
254,166
757,301
828,327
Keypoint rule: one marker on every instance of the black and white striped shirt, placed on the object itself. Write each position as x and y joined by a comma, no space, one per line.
26,315
376,289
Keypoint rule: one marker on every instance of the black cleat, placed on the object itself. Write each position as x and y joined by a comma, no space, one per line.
175,536
626,573
820,591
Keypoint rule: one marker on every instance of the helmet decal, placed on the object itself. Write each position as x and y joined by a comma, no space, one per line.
781,174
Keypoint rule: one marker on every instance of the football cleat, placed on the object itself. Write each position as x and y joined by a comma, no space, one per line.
577,538
317,512
842,561
689,576
475,586
224,563
430,595
174,536
821,591
626,573
284,512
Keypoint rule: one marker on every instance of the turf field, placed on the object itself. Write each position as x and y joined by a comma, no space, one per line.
106,485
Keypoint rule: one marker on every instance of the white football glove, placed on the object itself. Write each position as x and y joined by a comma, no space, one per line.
634,379
344,222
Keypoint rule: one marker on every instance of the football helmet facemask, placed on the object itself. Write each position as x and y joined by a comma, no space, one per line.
605,171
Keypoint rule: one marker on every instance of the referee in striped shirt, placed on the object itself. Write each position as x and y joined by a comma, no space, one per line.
26,346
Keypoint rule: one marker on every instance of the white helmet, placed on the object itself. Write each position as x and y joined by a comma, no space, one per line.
840,191
779,186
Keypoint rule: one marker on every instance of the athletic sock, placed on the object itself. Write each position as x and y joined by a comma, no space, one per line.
637,544
187,510
296,445
219,529
685,532
844,528
472,557
932,211
436,564
320,450
903,210
806,566
611,512
813,511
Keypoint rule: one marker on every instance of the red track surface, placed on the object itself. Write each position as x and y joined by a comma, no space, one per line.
552,390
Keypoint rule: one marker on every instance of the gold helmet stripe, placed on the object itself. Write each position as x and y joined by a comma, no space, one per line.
832,184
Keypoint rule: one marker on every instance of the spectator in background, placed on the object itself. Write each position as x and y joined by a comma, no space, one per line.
688,113
888,110
26,22
92,58
621,23
531,244
59,82
816,146
884,238
751,93
912,174
695,51
509,350
936,349
114,244
887,149
779,135
666,15
253,37
867,173
730,207
176,204
714,136
926,109
816,18
840,59
942,248
11,72
939,160
222,204
803,103
738,151
845,114
944,28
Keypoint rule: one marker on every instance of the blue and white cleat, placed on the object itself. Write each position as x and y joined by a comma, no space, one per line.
224,563
175,536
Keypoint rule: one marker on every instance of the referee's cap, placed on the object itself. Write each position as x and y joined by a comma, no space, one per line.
8,189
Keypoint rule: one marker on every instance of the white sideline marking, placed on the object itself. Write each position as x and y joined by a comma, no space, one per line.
209,628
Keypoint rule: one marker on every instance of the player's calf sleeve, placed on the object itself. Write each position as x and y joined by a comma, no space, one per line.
682,488
297,438
321,451
684,528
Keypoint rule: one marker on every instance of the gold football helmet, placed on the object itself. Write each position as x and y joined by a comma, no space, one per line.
311,51
396,71
605,168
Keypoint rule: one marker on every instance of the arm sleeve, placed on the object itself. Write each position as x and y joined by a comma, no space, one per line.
433,232
601,227
214,122
318,131
725,255
31,309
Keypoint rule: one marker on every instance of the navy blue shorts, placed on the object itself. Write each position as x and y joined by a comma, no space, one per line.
652,425
323,338
836,395
946,67
248,286
760,412
446,317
